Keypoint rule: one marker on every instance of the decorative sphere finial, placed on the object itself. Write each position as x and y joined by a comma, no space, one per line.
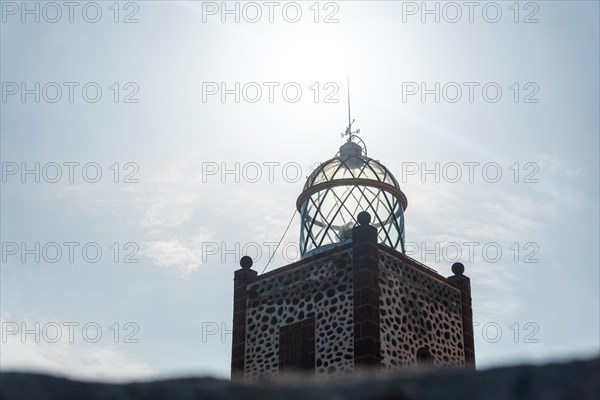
458,268
364,218
246,262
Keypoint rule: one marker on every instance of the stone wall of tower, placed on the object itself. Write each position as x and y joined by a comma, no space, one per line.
419,310
463,283
242,278
320,289
360,305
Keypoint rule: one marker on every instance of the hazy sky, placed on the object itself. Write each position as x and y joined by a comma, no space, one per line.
203,129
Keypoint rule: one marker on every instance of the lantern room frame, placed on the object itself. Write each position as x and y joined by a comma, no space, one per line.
337,191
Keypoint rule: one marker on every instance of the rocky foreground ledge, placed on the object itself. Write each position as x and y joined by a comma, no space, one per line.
574,380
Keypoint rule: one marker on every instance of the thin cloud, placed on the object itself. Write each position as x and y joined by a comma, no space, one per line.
182,255
94,361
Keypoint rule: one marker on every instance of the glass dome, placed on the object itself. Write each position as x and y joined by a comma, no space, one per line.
338,190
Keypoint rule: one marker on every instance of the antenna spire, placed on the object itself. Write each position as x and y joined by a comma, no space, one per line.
348,84
348,131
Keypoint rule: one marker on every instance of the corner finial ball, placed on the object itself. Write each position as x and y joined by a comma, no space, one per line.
246,262
458,268
364,218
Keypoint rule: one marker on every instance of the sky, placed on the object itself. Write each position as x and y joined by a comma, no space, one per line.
147,146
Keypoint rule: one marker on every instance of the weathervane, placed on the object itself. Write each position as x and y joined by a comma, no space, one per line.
348,131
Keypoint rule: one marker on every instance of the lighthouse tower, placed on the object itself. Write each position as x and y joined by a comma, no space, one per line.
354,300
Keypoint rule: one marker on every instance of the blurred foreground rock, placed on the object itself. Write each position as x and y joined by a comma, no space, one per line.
574,380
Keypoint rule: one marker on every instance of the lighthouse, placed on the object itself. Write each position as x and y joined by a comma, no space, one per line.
354,300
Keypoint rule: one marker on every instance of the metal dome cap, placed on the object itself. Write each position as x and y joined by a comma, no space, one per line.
338,190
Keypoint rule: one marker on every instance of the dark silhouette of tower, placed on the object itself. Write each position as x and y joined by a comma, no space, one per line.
354,299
